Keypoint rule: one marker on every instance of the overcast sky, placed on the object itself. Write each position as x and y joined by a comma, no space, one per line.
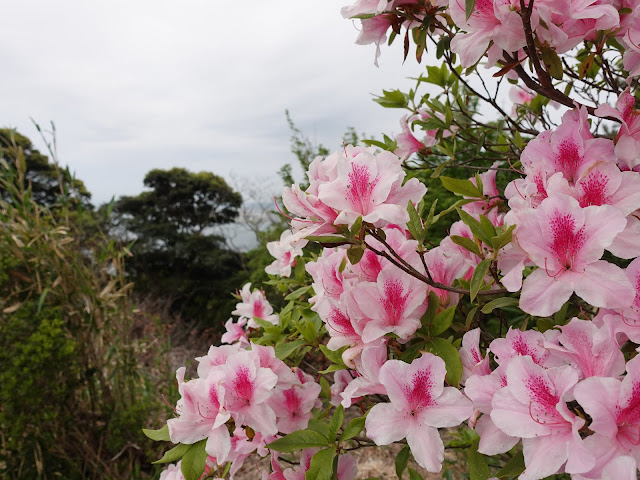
202,84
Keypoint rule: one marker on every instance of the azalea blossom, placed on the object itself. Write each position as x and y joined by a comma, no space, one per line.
420,404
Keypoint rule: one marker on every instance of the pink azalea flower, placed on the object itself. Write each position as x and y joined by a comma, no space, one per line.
420,404
592,350
566,242
341,380
520,96
343,328
368,365
328,276
445,269
473,362
202,414
172,472
496,21
614,407
215,356
285,251
247,388
627,149
362,187
394,304
256,305
293,405
621,468
480,389
235,333
532,406
518,343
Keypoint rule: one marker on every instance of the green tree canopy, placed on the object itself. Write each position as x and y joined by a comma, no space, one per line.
176,255
50,184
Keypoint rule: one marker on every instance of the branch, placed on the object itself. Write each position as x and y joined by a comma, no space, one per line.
402,264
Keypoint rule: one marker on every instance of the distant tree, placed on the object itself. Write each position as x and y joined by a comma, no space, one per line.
50,184
176,253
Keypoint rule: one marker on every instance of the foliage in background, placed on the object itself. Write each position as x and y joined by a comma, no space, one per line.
72,381
177,255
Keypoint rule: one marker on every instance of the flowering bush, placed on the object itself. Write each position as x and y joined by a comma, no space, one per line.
517,331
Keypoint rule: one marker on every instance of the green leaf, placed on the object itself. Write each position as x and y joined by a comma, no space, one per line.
319,426
552,62
442,321
429,221
499,303
402,459
333,368
470,317
459,203
321,466
441,347
327,239
432,309
503,239
336,423
544,324
41,300
392,99
353,429
334,356
298,293
415,223
466,243
194,461
356,227
283,350
478,467
474,226
477,280
465,188
160,435
413,475
438,171
298,440
266,325
487,227
513,467
469,5
354,254
175,454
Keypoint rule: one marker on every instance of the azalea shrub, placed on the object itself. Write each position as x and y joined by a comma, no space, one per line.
514,335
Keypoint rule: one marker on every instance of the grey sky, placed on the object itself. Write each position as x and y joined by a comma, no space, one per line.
202,84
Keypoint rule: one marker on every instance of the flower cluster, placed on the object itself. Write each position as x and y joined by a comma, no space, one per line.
349,185
572,205
240,401
539,389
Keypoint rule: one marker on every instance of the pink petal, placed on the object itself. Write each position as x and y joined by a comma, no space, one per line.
427,447
385,424
604,284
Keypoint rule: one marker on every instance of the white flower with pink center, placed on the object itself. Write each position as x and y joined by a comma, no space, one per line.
293,405
473,363
201,414
255,305
614,408
394,304
285,251
420,404
363,184
533,407
566,242
247,388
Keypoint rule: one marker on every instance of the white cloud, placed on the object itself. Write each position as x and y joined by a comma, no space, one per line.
200,84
